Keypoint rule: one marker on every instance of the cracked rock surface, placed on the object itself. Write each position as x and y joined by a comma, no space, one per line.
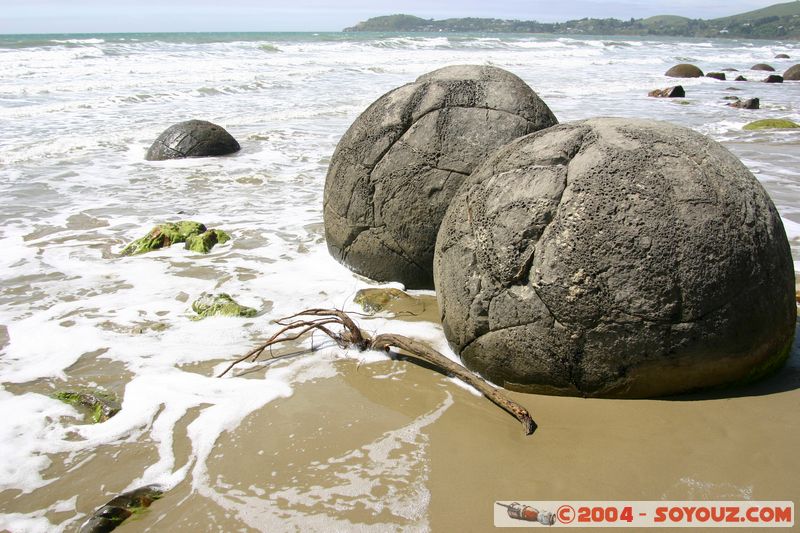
396,168
193,138
615,258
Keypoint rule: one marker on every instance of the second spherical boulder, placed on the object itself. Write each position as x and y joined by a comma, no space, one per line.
395,170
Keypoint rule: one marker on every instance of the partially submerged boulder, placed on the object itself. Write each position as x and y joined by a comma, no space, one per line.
762,66
684,70
670,92
750,103
220,305
615,258
782,56
99,404
195,235
792,73
396,168
773,78
716,75
193,138
740,78
771,124
111,515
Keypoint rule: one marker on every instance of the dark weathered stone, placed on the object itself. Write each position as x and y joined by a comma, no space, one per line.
111,515
616,258
774,78
792,73
762,66
740,78
729,70
750,103
394,171
193,138
670,92
716,75
684,70
782,56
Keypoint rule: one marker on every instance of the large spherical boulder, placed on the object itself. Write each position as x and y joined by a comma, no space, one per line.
792,73
615,258
393,173
762,66
684,70
193,138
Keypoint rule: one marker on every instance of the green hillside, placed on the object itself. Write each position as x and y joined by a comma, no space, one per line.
789,9
780,21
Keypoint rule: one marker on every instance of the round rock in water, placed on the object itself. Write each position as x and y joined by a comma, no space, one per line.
394,172
615,258
792,73
684,70
193,138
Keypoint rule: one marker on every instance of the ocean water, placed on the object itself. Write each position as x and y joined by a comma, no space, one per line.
78,112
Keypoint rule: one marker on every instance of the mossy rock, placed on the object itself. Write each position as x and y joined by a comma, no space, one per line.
771,123
100,405
111,515
164,236
684,70
197,237
220,304
204,242
377,300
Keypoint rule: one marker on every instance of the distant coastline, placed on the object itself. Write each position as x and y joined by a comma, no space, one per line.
779,21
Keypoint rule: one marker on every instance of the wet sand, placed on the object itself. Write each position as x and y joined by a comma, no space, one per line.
391,446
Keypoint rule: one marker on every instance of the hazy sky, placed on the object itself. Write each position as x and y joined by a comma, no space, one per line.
43,16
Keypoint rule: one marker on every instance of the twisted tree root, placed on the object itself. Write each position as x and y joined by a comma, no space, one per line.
350,335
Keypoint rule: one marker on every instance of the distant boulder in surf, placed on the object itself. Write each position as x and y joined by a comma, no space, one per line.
792,73
750,103
716,75
396,168
782,56
773,78
740,78
684,70
729,70
615,258
670,92
762,66
193,138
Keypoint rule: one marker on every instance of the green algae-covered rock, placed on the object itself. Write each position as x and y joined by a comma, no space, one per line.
197,237
771,123
111,515
164,236
377,300
204,242
220,304
101,405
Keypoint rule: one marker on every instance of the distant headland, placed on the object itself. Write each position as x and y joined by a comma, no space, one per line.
780,21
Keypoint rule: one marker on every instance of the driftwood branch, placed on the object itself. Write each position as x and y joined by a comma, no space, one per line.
348,334
424,352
